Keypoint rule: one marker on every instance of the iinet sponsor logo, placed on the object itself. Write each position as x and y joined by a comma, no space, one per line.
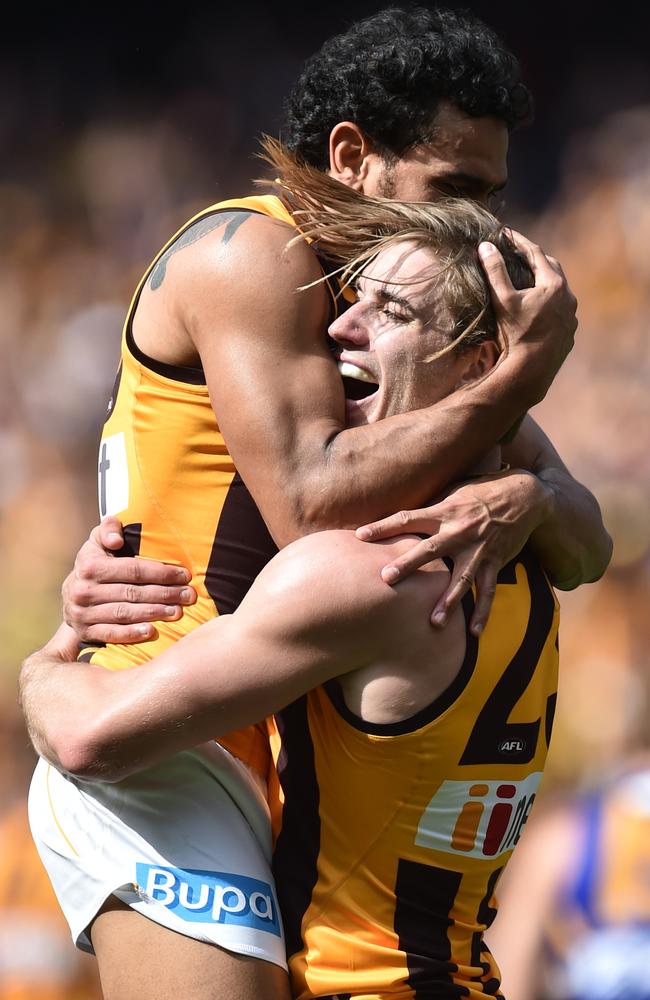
478,819
211,897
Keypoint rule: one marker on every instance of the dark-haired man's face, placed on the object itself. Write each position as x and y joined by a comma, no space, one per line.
466,158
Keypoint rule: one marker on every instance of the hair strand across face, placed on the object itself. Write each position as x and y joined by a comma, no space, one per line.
349,229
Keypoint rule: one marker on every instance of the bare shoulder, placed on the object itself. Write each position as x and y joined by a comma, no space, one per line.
337,574
237,269
235,244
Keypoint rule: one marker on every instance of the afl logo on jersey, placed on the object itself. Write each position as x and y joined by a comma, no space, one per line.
512,746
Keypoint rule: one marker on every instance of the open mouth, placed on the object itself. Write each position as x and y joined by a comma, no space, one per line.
357,383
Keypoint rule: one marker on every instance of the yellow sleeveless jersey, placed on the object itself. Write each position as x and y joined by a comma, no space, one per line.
393,836
165,470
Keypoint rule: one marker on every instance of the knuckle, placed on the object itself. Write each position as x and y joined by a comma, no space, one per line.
403,517
87,567
97,633
131,593
122,613
79,593
107,633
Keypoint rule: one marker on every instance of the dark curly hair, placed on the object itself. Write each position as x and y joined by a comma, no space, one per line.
388,74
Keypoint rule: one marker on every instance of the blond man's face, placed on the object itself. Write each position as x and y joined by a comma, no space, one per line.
386,339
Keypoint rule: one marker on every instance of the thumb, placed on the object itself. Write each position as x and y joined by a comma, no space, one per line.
496,273
110,533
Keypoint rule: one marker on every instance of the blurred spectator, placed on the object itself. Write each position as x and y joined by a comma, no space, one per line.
37,958
574,917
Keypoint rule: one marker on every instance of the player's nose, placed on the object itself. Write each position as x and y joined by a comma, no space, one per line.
350,328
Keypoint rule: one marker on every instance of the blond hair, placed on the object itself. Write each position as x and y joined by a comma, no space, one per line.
350,229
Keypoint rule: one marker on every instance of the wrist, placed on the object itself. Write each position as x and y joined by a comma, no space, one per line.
542,495
523,370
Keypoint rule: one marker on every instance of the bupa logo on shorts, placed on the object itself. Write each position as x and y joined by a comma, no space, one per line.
211,897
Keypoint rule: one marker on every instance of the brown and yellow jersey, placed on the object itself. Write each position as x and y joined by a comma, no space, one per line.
165,470
393,836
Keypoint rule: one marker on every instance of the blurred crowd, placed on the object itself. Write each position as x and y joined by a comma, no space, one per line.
72,249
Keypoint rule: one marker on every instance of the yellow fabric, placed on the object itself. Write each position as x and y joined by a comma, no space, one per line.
164,465
388,854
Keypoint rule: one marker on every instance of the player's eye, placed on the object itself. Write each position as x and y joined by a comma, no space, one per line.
394,313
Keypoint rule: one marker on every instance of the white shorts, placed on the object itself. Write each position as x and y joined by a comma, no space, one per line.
187,843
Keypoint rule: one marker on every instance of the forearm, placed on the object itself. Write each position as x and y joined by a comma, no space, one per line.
363,473
102,725
571,542
60,699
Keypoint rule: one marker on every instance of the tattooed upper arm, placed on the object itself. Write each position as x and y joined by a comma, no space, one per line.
228,221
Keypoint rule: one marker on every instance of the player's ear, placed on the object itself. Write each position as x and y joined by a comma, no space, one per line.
351,155
480,360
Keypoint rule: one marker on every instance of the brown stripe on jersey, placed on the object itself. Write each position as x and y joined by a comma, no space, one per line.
492,725
551,702
295,861
486,914
424,897
89,650
132,539
241,549
114,391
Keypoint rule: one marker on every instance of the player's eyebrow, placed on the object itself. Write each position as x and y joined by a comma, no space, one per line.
386,294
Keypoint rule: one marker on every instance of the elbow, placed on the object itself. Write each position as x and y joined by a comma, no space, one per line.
308,510
74,756
588,565
90,754
601,557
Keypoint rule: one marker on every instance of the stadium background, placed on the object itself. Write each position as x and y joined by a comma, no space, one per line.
114,128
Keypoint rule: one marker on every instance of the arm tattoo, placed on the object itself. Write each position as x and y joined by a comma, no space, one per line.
230,220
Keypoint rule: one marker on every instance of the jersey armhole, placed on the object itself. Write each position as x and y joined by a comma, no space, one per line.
432,711
189,374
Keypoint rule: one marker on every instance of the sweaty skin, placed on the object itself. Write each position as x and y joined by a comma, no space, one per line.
343,623
279,400
318,610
